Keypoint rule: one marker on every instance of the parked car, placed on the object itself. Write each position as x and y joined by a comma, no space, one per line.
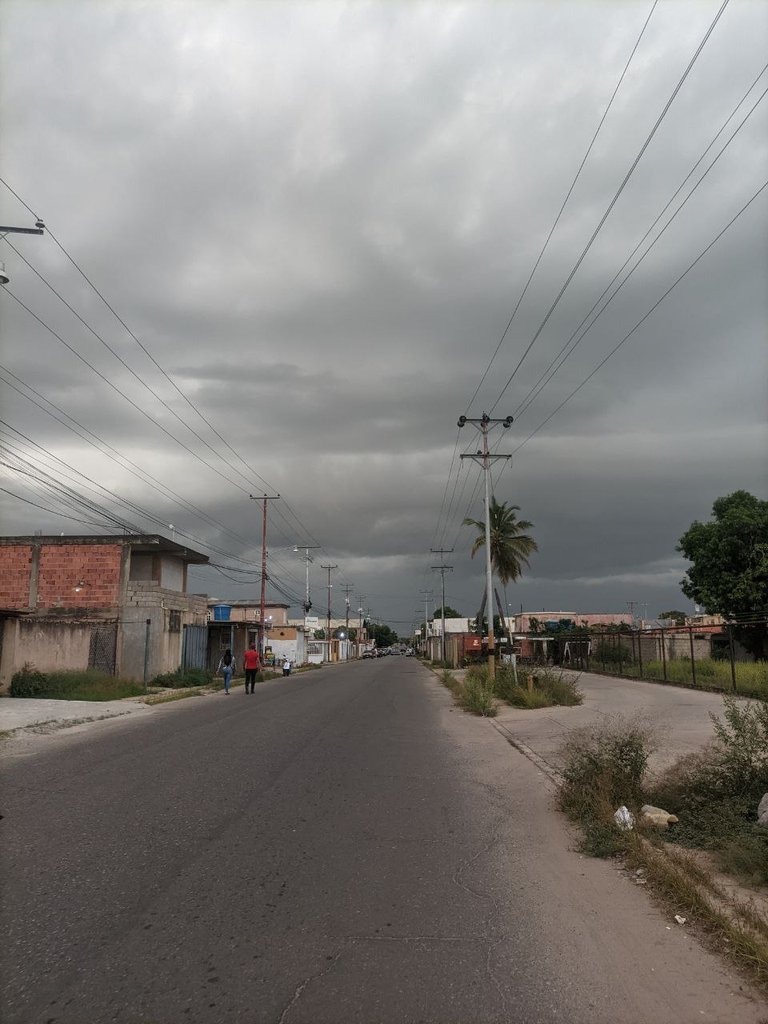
368,654
410,652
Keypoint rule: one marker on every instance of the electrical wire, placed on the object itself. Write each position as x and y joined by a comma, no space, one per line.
614,200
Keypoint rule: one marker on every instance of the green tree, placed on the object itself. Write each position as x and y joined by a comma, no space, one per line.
450,613
383,635
510,546
677,617
729,574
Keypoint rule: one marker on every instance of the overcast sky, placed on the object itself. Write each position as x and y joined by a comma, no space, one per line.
318,220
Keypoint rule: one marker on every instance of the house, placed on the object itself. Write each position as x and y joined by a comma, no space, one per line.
119,604
237,624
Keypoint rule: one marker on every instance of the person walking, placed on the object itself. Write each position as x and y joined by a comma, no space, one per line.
226,667
286,667
251,665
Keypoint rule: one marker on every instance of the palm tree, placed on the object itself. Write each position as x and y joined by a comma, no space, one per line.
510,547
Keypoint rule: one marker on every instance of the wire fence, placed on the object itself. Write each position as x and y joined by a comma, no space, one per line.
684,656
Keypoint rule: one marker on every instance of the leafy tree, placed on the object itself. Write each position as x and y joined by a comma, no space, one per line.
510,546
729,574
450,613
677,617
383,635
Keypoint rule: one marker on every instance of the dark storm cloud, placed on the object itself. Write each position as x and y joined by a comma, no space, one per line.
318,218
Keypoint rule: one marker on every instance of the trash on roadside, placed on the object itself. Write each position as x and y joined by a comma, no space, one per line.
680,920
658,816
624,818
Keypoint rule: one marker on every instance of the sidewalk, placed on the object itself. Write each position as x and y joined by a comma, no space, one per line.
679,717
18,713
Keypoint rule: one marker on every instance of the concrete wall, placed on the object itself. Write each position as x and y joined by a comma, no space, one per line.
47,643
148,600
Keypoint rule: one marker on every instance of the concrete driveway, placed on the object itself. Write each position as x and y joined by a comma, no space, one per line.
679,717
31,713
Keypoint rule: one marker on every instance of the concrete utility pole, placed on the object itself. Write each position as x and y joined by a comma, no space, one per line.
306,548
347,591
486,460
442,569
263,498
330,568
427,594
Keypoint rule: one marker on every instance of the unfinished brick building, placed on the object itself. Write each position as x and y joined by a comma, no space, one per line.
113,603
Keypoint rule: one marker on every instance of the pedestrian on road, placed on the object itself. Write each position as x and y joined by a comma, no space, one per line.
251,665
226,667
286,667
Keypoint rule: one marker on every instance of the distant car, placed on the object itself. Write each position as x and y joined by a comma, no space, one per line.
410,652
394,650
368,654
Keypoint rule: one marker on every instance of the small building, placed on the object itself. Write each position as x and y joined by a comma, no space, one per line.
118,604
237,624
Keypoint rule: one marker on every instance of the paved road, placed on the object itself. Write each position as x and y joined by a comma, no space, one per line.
340,847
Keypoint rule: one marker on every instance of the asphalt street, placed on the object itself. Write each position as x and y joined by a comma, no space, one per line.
343,846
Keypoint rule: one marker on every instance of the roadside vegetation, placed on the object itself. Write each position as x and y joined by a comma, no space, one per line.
543,689
72,685
714,794
711,673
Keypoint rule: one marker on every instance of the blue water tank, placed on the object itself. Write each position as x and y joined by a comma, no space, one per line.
221,612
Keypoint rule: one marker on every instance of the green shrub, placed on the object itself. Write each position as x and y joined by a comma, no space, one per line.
715,792
603,768
28,682
611,654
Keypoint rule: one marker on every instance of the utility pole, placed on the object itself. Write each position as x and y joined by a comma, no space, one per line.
347,588
306,548
442,569
264,499
486,460
427,594
330,568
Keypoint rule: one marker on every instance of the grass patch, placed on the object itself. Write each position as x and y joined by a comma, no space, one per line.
180,679
166,698
711,673
549,688
474,694
72,685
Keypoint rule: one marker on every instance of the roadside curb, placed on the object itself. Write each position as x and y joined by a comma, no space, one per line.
553,774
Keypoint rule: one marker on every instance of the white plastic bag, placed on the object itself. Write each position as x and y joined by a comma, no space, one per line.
624,818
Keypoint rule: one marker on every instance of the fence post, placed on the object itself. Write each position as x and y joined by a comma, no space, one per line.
693,660
640,652
146,653
733,658
621,645
664,655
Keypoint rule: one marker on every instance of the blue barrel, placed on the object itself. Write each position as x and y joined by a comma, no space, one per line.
221,612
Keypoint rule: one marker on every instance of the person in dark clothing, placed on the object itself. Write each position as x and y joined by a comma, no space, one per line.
251,665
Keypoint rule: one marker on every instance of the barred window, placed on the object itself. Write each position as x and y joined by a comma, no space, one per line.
174,622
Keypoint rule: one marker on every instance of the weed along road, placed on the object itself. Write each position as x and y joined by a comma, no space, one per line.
342,846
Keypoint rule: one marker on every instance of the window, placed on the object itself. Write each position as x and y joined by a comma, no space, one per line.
174,622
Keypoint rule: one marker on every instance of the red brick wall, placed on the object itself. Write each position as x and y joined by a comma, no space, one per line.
15,570
63,566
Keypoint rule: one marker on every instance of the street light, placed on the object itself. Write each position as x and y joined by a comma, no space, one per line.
38,229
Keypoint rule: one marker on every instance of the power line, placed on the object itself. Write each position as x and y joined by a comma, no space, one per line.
568,348
562,207
613,201
642,320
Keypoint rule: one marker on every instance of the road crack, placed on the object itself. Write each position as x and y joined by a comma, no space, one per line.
307,981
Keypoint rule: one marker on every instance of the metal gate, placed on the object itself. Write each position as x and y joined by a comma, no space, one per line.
101,652
194,647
